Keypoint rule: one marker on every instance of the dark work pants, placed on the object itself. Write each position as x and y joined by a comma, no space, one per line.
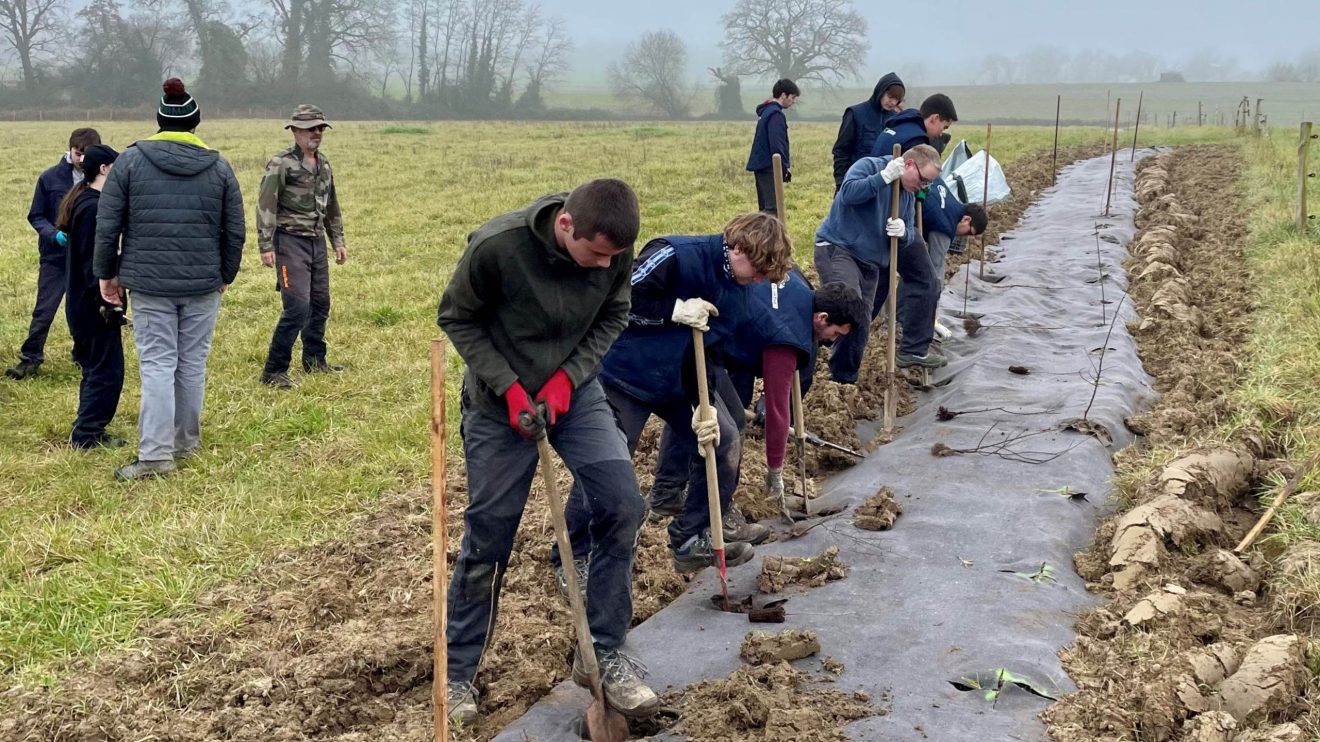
678,464
918,297
834,263
500,467
99,350
50,291
302,272
765,190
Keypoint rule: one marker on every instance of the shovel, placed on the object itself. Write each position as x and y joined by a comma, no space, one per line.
891,367
602,723
712,477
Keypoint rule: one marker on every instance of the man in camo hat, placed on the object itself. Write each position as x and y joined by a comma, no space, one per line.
296,208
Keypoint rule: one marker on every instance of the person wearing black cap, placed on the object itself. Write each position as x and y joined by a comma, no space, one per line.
97,346
176,245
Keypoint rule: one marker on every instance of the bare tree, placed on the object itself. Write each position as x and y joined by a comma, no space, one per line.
728,94
549,60
653,72
28,27
319,33
822,40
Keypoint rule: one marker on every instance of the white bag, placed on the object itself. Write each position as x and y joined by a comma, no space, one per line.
972,174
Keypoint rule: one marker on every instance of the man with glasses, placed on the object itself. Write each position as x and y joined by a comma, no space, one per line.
296,208
852,246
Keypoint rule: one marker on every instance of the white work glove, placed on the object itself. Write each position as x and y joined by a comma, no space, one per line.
694,313
893,171
774,483
895,228
707,430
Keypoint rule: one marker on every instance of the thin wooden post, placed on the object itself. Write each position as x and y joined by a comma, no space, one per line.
985,198
1113,159
777,164
891,306
1303,153
1054,169
1255,121
1137,126
440,545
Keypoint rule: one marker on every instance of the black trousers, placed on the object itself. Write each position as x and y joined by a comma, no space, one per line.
50,290
302,270
98,349
765,190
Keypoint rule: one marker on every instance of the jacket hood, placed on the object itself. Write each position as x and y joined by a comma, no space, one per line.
886,82
177,158
541,221
910,117
766,105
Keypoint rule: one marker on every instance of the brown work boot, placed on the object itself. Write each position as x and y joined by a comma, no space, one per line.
738,528
621,678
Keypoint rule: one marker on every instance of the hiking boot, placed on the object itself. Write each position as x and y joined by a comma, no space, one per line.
187,453
462,702
697,553
583,568
621,678
321,367
105,440
738,528
143,469
24,370
930,360
280,380
665,504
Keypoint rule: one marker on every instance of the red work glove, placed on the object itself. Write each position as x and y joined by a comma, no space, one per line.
557,394
519,401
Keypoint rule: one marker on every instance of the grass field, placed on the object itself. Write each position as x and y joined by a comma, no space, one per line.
86,560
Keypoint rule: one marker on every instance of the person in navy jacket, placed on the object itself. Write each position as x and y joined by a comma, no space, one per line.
53,184
925,125
863,122
945,220
771,139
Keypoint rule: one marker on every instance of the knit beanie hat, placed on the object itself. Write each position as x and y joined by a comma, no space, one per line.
178,110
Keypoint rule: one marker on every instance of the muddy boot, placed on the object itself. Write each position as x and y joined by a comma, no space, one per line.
930,360
24,370
321,367
697,554
738,528
462,702
144,469
278,380
621,676
583,568
665,504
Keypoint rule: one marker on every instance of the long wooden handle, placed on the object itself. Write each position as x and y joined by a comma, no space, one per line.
1284,494
891,302
777,163
712,477
439,545
581,627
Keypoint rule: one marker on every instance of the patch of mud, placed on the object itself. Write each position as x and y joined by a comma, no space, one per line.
1160,661
878,512
778,572
766,647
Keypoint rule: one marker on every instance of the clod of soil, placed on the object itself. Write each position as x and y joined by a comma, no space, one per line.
1153,608
1268,680
1215,726
832,666
769,703
879,511
1215,478
1282,733
778,572
1223,569
766,647
1139,537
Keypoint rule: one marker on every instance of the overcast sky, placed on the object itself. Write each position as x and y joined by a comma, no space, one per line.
963,32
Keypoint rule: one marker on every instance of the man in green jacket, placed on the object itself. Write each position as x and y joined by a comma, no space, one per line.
535,301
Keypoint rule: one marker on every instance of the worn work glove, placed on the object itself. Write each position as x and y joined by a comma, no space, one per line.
518,401
774,483
557,395
694,313
893,171
707,430
61,238
895,228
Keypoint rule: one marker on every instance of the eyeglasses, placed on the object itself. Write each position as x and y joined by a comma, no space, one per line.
924,181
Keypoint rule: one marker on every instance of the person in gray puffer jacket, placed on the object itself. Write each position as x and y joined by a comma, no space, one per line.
169,231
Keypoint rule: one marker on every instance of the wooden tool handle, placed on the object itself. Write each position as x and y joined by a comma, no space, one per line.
891,390
712,477
439,545
777,163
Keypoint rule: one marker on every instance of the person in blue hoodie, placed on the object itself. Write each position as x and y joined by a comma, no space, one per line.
863,122
771,139
925,125
852,246
945,220
53,184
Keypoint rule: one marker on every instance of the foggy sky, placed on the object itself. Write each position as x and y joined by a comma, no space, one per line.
961,32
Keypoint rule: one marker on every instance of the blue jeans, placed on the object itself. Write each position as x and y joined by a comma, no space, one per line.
500,467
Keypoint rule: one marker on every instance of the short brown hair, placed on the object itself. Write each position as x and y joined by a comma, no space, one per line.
605,206
764,240
83,138
923,155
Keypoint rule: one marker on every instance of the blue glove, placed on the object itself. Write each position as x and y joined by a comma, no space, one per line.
61,238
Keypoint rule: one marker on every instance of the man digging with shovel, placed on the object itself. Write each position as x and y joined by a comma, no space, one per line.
535,301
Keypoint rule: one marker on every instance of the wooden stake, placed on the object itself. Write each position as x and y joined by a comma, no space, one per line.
777,163
800,441
1113,159
985,198
439,545
1137,126
1054,170
891,302
1303,153
1265,519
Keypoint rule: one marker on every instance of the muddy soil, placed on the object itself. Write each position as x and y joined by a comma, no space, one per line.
333,642
1166,659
